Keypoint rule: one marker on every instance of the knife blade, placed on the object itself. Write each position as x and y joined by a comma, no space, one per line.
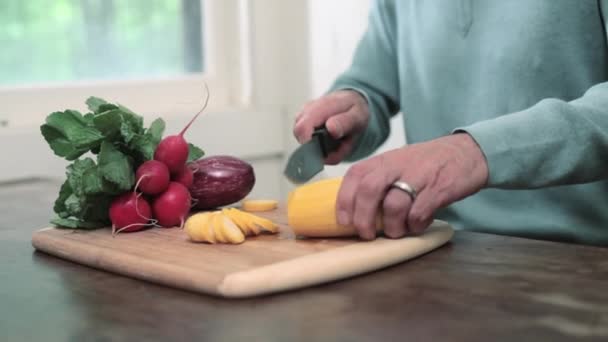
309,158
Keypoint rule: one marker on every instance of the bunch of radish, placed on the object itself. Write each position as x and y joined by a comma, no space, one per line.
161,196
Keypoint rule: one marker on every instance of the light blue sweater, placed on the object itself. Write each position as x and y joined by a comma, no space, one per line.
525,78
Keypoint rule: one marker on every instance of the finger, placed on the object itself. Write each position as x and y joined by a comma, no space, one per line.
345,202
317,113
338,155
297,119
422,211
395,208
346,123
368,198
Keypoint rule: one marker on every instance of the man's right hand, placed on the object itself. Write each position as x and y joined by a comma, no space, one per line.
345,114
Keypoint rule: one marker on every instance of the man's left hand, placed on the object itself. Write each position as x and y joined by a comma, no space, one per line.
441,171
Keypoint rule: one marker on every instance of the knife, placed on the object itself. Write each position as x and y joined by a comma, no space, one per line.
309,158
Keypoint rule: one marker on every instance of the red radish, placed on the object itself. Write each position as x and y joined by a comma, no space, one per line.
172,206
129,212
173,149
152,177
173,152
185,176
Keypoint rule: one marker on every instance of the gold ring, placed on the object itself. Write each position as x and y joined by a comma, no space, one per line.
403,186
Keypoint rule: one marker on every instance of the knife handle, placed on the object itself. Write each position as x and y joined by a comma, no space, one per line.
327,142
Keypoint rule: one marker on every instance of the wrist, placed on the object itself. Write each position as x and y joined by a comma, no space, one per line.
474,154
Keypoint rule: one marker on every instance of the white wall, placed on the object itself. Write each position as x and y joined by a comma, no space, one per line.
336,27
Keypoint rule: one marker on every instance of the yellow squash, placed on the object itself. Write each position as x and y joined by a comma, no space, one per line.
311,210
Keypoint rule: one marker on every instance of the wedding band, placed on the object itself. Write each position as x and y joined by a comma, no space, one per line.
403,186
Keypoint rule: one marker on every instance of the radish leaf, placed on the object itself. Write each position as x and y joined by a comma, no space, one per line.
116,167
69,134
194,153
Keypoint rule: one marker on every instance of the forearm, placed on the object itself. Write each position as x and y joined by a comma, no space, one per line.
552,143
374,74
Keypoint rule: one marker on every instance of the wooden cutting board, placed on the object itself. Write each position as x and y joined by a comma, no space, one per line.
261,265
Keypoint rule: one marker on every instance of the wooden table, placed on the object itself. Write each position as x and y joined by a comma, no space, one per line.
479,287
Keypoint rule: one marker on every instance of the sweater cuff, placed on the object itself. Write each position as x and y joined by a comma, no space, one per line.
509,154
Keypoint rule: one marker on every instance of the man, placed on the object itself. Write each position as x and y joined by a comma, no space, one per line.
505,110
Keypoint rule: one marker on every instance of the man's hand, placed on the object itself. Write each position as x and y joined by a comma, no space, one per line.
345,114
442,171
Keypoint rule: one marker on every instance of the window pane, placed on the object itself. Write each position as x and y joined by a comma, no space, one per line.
63,40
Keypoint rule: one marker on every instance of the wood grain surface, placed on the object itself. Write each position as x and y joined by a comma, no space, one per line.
261,265
477,288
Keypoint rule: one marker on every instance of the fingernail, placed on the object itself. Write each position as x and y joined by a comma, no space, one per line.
342,217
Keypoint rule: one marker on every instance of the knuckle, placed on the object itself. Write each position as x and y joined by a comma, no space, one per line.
369,186
356,171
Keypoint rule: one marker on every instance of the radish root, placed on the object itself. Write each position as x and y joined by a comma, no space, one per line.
199,112
137,184
151,221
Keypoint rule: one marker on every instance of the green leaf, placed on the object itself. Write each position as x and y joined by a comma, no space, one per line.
97,208
94,103
194,153
60,208
85,197
125,109
93,183
88,118
114,122
60,145
135,121
115,166
156,130
76,224
76,172
108,123
145,144
106,107
69,135
75,205
127,131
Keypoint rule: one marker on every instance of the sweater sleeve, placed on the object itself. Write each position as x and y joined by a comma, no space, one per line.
551,143
374,74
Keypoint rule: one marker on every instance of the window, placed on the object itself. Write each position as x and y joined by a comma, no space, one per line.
152,55
66,40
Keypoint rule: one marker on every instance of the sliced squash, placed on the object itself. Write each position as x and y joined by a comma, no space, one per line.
228,225
253,205
262,222
238,220
197,228
218,227
230,230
